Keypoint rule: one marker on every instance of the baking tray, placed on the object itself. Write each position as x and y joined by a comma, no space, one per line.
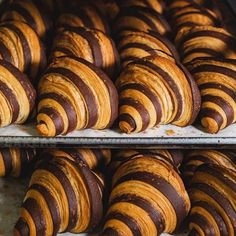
166,136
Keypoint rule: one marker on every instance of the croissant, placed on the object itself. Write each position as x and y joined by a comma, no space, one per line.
205,41
20,45
135,45
155,91
196,158
93,158
148,198
30,13
86,15
17,95
91,45
157,5
213,198
216,79
15,162
74,95
140,18
63,196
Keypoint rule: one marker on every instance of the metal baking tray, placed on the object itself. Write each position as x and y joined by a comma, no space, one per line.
167,136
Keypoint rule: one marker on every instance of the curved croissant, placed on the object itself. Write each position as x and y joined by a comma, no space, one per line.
63,196
148,198
15,161
155,91
89,44
216,79
30,13
21,46
196,158
93,158
213,194
205,41
17,95
141,18
74,95
157,5
86,15
133,45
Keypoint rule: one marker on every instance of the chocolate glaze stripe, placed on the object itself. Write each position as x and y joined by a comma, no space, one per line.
11,99
96,205
171,83
210,51
140,108
7,159
5,53
67,106
148,93
155,215
164,187
213,114
219,198
65,51
52,205
226,107
217,217
53,167
24,161
127,220
208,33
219,86
85,90
100,157
204,159
55,117
110,232
202,222
125,117
24,42
22,227
110,88
32,207
136,45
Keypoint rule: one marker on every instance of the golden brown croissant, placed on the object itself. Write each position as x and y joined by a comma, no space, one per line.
17,95
21,46
155,91
213,198
157,5
63,196
15,161
196,158
89,44
95,159
205,41
30,13
75,94
135,45
148,198
216,79
86,15
141,18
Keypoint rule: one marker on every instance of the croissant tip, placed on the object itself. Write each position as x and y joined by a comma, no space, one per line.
21,228
42,129
210,125
125,127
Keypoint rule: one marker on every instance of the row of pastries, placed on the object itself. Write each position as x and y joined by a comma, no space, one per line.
124,192
131,64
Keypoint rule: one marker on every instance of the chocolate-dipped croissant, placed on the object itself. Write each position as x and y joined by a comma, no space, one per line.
17,95
86,15
21,46
30,13
196,158
75,94
15,162
135,45
141,18
216,79
157,5
63,196
148,198
205,41
213,197
90,44
155,91
95,159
